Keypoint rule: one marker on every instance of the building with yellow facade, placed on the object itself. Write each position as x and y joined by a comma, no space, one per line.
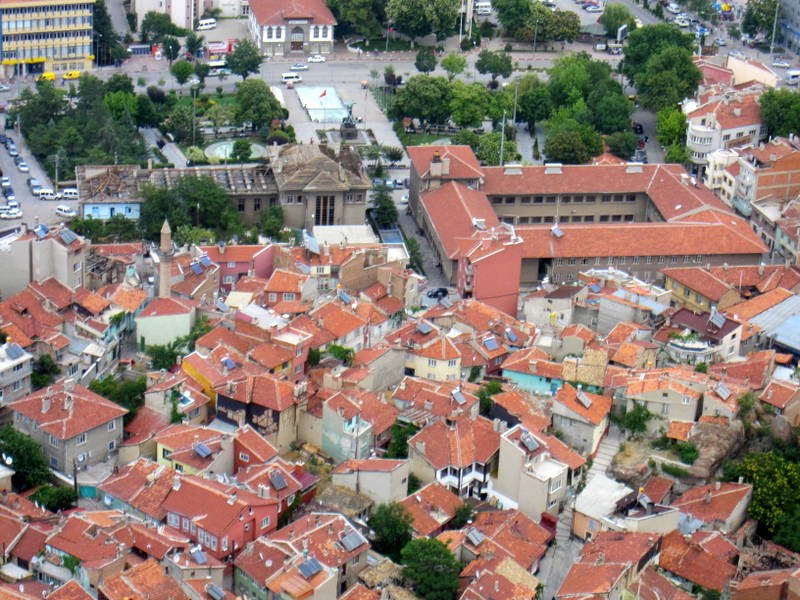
38,36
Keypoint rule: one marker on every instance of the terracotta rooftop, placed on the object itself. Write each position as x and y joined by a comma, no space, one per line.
712,504
652,585
166,307
65,413
462,161
264,390
71,590
322,533
731,114
145,580
516,534
700,281
431,508
744,311
679,430
233,253
466,442
620,547
598,409
690,561
377,465
779,393
657,488
586,580
143,485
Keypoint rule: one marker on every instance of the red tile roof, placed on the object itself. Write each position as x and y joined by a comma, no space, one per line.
146,580
699,280
144,425
93,303
369,465
434,398
584,580
679,430
233,253
522,406
164,307
452,209
365,405
652,585
52,290
144,485
31,543
692,562
337,318
620,547
431,508
360,592
256,445
283,280
71,590
780,393
465,442
264,390
65,413
744,311
754,371
711,504
439,349
261,559
463,164
598,409
321,534
657,488
533,361
731,114
84,539
128,298
516,534
282,12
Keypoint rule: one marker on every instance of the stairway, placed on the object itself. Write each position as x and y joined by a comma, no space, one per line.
609,447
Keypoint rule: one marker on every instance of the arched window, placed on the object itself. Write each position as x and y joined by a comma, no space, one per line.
324,31
269,33
316,31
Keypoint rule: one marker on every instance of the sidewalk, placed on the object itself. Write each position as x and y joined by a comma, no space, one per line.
170,150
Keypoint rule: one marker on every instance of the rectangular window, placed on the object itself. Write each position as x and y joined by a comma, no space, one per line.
264,522
112,425
665,409
431,362
185,523
272,297
256,203
173,520
81,439
230,279
54,462
244,457
240,205
555,485
54,441
451,363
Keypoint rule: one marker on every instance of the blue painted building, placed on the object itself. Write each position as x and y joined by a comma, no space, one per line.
105,209
531,371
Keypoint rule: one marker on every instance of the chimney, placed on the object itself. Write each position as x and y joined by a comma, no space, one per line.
69,384
761,269
67,401
165,266
420,446
436,168
46,401
601,559
707,498
717,485
263,491
176,483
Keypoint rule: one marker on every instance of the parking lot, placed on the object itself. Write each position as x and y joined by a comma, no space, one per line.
33,209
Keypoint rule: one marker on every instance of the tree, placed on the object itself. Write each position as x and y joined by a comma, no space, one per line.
688,452
256,104
469,103
611,111
513,14
485,393
495,62
426,60
220,115
454,64
667,78
432,569
194,43
119,82
56,499
759,16
398,445
776,487
567,145
242,149
182,70
202,70
126,393
464,515
488,151
385,209
272,222
615,16
29,463
180,122
622,144
787,533
533,104
244,59
645,42
636,419
172,48
780,111
562,26
108,48
363,17
671,126
423,97
417,18
44,372
392,526
156,26
677,153
415,260
163,356
189,234
342,353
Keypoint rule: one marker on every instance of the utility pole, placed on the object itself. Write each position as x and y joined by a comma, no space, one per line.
502,138
516,91
535,31
774,27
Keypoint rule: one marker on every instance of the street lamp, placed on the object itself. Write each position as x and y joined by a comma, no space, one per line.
194,113
535,31
95,35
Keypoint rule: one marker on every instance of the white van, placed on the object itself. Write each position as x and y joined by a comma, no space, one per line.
483,8
792,77
69,194
206,24
48,194
291,78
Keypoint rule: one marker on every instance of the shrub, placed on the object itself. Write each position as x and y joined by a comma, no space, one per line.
674,470
688,452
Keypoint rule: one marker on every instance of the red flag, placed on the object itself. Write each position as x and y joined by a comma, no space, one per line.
323,94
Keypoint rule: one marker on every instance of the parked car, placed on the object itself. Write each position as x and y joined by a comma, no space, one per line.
299,67
781,64
438,293
593,8
5,182
13,213
638,129
720,42
673,8
9,193
12,150
4,88
23,167
13,204
62,210
316,58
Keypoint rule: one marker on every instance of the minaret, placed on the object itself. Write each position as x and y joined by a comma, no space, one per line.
165,266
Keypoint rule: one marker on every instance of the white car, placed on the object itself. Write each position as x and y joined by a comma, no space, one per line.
673,8
4,88
316,58
781,64
23,167
13,213
299,67
593,9
720,42
194,81
5,181
62,210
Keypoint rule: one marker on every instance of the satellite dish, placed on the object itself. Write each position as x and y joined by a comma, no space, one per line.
7,459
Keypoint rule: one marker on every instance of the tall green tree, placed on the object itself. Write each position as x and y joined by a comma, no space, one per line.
28,460
425,62
385,209
615,16
562,26
364,17
567,146
180,122
128,394
256,104
513,14
392,526
272,222
172,48
489,146
194,43
44,372
181,70
780,111
454,64
432,569
423,97
156,26
667,78
469,103
242,149
108,48
417,18
494,62
759,16
245,59
645,42
533,101
671,126
611,110
622,144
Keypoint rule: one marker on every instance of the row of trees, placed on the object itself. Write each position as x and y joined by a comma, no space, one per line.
414,18
780,111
